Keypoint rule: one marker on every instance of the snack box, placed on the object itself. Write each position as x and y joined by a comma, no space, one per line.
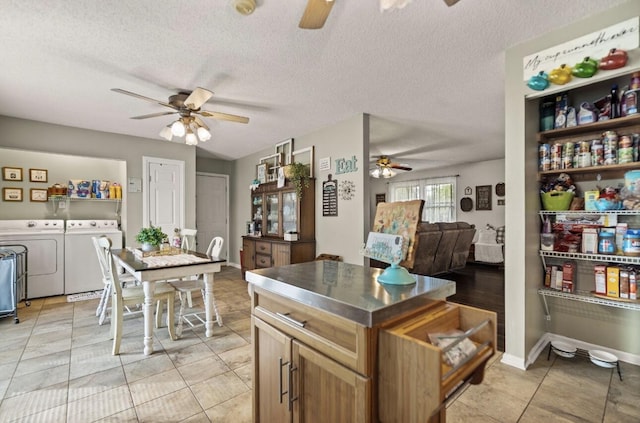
600,273
613,281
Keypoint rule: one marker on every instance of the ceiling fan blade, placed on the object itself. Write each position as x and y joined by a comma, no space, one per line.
200,122
153,115
399,166
224,116
121,91
197,98
450,2
315,14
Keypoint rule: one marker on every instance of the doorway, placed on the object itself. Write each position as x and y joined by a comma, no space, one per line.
212,210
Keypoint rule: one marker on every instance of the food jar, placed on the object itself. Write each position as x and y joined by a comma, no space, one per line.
631,243
606,243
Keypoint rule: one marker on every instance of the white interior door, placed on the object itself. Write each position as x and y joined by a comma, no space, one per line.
165,194
212,210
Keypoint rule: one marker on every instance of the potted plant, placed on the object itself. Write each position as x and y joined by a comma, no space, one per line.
298,174
151,238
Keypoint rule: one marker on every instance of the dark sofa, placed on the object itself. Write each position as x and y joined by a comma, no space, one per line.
439,247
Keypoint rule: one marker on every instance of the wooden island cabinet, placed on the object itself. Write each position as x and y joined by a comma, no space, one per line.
331,344
276,212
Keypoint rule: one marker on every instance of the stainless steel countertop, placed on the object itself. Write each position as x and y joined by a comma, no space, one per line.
349,290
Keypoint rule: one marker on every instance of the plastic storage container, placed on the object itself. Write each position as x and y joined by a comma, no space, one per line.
556,200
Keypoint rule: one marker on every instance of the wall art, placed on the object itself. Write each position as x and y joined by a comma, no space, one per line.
483,197
38,195
285,149
347,190
12,194
38,175
12,173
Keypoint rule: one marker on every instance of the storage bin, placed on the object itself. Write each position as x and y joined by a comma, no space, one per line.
556,200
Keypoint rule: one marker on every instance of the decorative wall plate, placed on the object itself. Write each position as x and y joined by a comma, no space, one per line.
500,189
466,204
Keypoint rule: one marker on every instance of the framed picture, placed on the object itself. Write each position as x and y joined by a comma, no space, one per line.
12,194
38,194
38,175
11,173
285,148
483,197
304,156
273,162
261,173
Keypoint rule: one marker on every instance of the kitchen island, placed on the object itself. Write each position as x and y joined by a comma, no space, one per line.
331,344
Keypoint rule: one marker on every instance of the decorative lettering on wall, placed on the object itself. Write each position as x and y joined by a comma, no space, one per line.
346,165
624,35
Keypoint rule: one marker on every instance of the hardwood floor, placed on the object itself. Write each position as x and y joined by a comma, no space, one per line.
481,286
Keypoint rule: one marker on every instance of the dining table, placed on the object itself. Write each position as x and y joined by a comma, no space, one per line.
149,270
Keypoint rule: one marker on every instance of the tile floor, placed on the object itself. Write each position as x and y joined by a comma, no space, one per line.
56,366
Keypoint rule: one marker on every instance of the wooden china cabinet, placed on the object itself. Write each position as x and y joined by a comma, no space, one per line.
274,213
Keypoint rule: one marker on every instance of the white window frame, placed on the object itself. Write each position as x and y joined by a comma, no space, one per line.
418,190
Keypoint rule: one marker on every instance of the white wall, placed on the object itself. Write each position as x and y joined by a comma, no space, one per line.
489,172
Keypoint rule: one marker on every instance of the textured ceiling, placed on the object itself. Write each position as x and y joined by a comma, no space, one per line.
431,76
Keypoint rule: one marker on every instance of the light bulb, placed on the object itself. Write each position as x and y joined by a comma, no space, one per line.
203,134
375,172
190,139
166,133
177,128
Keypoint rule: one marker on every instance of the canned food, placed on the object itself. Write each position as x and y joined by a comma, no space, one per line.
556,156
625,155
585,146
597,155
584,159
567,155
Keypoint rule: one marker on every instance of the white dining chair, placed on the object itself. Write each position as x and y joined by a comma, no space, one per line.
122,297
103,305
186,287
188,239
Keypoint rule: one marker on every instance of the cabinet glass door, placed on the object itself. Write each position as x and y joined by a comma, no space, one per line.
256,212
289,212
272,215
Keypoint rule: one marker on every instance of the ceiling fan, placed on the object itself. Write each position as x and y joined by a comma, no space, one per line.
317,11
384,168
188,106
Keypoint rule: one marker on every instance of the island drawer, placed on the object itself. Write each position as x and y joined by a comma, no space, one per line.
343,340
414,377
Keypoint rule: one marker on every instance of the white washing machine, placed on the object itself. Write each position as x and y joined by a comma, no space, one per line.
44,240
82,269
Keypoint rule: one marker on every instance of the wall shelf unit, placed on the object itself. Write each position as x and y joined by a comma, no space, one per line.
56,200
587,297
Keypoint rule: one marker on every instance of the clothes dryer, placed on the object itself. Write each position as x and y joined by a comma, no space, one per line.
82,269
44,240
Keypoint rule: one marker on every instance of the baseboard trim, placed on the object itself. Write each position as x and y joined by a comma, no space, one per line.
513,361
622,355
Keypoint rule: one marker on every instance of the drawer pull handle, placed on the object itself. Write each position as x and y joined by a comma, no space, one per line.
286,317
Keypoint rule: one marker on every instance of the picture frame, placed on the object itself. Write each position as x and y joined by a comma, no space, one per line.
12,194
38,175
285,149
38,195
10,173
273,162
304,156
261,173
483,197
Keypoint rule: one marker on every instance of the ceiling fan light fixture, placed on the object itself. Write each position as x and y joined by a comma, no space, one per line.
393,4
245,7
190,138
166,133
203,134
177,128
387,173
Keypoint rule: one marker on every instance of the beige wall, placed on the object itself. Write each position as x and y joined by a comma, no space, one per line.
43,137
524,314
342,235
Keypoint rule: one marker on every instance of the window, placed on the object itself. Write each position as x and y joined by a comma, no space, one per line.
439,196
